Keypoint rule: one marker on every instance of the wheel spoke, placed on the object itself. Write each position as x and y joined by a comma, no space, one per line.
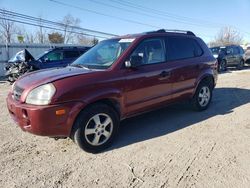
96,119
200,95
89,131
96,139
106,134
202,101
107,122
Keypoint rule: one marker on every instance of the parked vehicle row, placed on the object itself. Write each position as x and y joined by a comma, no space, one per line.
118,78
23,62
229,56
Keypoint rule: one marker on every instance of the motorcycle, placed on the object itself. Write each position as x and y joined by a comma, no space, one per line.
18,65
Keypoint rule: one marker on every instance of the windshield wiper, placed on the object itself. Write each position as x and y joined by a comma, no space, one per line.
79,66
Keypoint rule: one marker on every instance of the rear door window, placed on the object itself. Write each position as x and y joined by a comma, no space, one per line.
71,54
236,51
182,48
230,51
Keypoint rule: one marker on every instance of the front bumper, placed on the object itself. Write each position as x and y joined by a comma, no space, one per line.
42,120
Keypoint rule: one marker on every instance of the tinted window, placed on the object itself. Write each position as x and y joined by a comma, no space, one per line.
230,50
82,51
181,48
236,50
71,54
151,51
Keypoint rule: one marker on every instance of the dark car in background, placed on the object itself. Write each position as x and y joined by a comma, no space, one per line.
228,56
23,62
57,57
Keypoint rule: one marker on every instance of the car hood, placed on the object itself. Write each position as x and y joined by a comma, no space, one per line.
41,77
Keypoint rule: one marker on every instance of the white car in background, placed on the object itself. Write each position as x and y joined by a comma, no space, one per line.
247,55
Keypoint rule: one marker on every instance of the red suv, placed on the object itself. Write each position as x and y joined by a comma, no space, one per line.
118,78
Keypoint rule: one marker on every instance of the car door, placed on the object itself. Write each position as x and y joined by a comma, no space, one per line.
230,55
52,59
184,57
150,83
237,55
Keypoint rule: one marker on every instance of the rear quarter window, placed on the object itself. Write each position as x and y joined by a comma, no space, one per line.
182,48
71,54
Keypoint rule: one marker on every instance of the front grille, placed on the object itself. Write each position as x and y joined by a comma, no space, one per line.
17,92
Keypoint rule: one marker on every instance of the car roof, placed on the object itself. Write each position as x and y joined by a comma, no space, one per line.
158,33
72,48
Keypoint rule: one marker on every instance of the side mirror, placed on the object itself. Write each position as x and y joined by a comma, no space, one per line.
134,61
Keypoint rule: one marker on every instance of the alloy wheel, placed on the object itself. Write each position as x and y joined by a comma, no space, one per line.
98,129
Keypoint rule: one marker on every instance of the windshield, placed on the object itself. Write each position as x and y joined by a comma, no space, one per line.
215,50
104,54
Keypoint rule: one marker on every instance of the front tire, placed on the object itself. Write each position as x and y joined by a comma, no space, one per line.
222,66
203,96
95,128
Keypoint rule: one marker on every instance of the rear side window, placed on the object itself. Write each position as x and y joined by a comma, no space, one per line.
82,51
182,48
71,54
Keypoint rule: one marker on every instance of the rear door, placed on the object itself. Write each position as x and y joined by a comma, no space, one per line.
230,58
184,55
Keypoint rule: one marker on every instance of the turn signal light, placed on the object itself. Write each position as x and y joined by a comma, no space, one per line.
60,112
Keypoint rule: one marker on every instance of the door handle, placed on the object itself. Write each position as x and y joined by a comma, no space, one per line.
165,74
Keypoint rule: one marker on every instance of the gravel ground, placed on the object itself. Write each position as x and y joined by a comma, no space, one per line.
171,147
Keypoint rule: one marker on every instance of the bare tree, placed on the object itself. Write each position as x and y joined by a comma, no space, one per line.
81,39
95,41
69,22
30,38
8,28
227,36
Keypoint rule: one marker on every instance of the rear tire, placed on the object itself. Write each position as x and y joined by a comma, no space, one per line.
240,65
203,96
95,128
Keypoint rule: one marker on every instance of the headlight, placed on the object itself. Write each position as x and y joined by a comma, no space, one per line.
41,95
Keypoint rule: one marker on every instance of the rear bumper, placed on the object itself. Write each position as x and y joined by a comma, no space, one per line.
42,120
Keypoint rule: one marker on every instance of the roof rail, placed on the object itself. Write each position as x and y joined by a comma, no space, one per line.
175,31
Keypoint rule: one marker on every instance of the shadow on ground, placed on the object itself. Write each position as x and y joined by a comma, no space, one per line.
234,69
173,118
